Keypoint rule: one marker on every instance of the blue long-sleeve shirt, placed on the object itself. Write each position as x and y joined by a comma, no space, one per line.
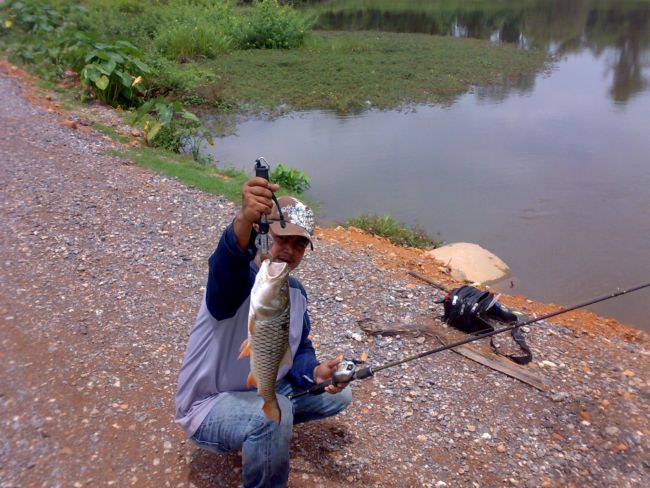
211,363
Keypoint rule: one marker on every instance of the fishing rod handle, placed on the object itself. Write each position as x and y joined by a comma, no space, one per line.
363,373
262,170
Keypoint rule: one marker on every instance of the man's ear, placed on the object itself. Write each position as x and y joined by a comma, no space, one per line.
256,227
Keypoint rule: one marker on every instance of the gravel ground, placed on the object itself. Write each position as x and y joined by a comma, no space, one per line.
103,267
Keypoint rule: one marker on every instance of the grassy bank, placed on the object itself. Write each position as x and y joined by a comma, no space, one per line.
204,53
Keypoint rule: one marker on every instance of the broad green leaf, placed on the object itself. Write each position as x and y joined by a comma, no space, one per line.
153,132
125,79
90,56
108,67
91,72
189,116
165,115
118,58
102,82
127,45
143,67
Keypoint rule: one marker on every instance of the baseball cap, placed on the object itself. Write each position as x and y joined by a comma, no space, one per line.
298,217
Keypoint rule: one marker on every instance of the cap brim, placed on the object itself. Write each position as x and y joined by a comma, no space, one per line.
291,230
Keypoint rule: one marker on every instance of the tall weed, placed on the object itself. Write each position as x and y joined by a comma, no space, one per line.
270,25
194,40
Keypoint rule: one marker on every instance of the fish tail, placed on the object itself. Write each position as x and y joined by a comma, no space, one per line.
272,410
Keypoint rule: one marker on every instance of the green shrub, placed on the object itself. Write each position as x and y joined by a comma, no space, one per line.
393,230
166,124
115,73
270,25
33,16
290,179
194,40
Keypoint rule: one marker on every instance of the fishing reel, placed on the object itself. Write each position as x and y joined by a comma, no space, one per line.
345,371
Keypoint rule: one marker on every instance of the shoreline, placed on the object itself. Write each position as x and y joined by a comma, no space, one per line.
395,258
401,260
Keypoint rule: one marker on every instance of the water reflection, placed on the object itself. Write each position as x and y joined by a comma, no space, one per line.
617,29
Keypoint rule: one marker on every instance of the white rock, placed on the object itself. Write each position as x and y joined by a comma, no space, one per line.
470,262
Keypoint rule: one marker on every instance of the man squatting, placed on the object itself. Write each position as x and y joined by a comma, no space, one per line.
213,404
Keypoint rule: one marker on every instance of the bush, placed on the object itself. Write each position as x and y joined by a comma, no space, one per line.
115,73
393,230
290,179
270,25
33,16
189,41
166,124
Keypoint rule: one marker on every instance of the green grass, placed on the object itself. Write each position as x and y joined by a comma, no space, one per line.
349,71
226,182
110,132
393,230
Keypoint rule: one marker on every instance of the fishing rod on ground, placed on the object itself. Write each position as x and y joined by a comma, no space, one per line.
348,371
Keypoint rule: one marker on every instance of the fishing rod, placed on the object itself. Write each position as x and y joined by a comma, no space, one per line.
347,370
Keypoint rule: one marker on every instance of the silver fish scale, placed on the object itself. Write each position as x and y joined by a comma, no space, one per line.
270,342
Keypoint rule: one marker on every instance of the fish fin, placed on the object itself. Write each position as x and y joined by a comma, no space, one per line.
251,326
251,381
272,411
287,358
244,349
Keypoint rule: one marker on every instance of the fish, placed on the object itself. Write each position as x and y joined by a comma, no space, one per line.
268,333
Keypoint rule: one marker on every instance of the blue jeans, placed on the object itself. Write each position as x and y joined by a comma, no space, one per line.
237,422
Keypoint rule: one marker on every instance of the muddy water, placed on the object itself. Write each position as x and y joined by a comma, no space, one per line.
551,173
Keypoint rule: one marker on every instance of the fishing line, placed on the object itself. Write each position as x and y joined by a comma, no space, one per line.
368,371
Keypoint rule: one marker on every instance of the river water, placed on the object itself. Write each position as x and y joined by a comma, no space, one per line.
551,173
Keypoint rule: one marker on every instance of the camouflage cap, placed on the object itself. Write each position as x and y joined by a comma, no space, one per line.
299,219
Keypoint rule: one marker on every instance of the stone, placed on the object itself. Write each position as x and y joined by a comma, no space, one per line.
470,262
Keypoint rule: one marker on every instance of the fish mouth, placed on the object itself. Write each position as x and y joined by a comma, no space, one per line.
277,269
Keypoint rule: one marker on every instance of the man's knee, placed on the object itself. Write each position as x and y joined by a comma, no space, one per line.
342,399
278,430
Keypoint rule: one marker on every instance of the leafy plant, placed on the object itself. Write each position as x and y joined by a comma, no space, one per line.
33,16
116,73
393,230
193,40
166,124
290,179
270,25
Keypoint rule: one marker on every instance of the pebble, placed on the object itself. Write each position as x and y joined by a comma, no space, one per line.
127,250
